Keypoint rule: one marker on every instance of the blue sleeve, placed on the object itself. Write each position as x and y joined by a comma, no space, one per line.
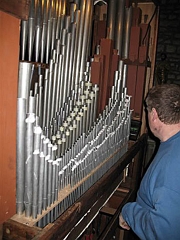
162,221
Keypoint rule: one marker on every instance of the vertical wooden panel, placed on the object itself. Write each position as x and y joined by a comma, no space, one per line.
106,47
134,43
113,68
9,52
97,76
131,83
139,92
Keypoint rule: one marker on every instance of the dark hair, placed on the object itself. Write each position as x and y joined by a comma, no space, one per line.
166,100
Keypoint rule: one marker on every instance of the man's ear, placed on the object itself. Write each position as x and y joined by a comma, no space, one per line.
154,114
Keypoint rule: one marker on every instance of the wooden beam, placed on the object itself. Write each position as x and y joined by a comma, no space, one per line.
19,9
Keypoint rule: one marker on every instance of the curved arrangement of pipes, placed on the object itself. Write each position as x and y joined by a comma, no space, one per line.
62,143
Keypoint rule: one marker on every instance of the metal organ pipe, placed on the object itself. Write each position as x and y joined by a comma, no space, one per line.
80,42
49,32
71,57
24,82
20,154
31,29
30,120
111,17
41,181
38,30
44,30
86,35
53,33
24,34
119,26
77,21
126,38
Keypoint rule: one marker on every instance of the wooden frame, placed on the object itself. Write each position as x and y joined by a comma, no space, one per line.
87,205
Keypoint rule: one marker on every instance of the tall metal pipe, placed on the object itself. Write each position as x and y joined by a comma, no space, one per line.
71,57
47,157
111,17
24,35
119,26
40,106
54,23
41,182
127,29
86,35
54,90
66,67
28,163
60,26
31,29
49,32
49,97
58,83
49,183
75,41
44,121
20,154
80,41
44,30
35,182
38,29
63,48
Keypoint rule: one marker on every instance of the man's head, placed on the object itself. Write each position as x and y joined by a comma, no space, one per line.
165,99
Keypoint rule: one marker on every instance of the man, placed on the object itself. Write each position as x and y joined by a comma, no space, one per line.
156,213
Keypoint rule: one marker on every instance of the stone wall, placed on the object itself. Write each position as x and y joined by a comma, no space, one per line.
168,45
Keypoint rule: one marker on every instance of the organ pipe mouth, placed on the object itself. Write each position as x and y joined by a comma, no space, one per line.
100,2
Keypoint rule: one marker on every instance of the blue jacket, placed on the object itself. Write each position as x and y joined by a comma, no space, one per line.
156,213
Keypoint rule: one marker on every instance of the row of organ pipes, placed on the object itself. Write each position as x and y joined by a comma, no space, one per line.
64,144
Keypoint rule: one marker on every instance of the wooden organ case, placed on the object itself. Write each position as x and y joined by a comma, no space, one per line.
74,114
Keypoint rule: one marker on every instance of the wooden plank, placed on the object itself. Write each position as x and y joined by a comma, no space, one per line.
14,230
131,83
139,92
9,52
17,8
108,210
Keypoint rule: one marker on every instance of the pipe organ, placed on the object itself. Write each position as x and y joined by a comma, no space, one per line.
73,107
